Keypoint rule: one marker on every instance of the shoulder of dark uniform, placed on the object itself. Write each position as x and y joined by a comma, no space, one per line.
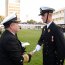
55,26
44,27
59,28
7,35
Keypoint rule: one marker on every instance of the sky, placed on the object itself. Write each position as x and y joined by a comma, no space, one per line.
30,8
2,7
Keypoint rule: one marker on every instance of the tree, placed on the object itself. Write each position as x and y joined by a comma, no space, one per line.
31,21
1,18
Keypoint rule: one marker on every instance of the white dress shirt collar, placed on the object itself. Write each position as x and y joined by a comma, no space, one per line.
48,24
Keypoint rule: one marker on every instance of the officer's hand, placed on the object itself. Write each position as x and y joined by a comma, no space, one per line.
32,52
27,58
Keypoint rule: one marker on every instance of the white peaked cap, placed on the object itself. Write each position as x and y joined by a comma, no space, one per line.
47,8
8,18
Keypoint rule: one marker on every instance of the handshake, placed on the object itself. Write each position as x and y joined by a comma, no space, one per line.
27,57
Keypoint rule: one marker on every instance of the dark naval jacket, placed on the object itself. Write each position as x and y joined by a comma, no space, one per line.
53,42
11,50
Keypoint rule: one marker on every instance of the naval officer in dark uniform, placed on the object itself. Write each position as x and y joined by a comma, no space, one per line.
52,40
11,50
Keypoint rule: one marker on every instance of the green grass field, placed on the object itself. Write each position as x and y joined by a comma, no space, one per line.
32,37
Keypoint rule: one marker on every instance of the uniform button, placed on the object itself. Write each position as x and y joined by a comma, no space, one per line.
60,60
55,52
56,56
57,63
43,40
20,60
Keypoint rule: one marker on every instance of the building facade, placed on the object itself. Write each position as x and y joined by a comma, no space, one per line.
59,16
13,6
31,26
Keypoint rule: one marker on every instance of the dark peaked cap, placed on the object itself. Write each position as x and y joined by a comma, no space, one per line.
44,10
10,19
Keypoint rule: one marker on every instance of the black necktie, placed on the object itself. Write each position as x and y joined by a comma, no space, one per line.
46,28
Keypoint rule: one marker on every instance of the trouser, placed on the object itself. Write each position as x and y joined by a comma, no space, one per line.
53,61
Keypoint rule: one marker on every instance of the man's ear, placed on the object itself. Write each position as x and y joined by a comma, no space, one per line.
50,14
